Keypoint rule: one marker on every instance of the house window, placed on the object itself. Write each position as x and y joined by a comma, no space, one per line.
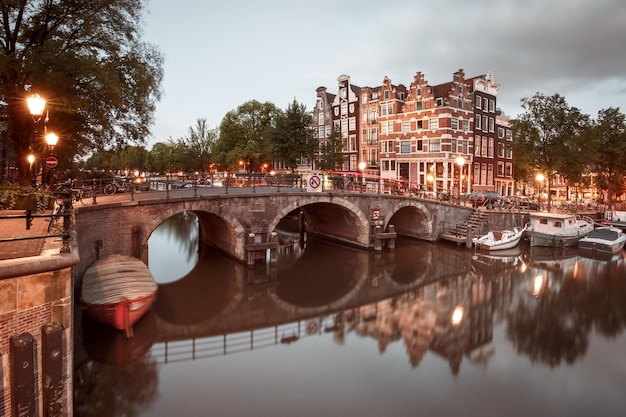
492,106
491,124
491,147
434,124
454,124
327,131
386,94
484,146
434,145
465,125
373,136
352,123
477,122
479,102
364,136
439,101
406,127
500,169
418,105
321,132
500,150
386,146
418,92
420,124
320,119
364,98
420,145
500,133
509,170
405,146
485,125
477,146
344,109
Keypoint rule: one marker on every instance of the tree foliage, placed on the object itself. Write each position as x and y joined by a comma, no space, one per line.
87,59
245,135
200,143
549,137
609,141
293,136
331,151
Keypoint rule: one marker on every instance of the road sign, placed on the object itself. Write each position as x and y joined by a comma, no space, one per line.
314,182
52,162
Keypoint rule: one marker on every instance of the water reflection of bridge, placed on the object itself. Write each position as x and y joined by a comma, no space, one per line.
410,296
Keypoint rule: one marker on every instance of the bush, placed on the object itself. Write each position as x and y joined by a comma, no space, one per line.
19,198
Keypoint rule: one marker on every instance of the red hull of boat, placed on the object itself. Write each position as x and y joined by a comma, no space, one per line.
121,315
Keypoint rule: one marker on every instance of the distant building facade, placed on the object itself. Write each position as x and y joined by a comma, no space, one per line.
428,138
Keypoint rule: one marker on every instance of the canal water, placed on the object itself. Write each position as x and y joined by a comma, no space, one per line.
428,329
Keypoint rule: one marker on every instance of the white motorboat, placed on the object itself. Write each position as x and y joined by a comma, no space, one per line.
558,229
607,239
500,239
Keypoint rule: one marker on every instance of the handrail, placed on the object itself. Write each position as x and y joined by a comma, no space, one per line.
65,235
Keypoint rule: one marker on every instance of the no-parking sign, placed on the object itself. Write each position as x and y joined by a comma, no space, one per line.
314,183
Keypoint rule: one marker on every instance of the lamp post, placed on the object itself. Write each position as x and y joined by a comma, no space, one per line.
540,178
242,163
51,161
31,158
362,166
460,161
430,179
36,105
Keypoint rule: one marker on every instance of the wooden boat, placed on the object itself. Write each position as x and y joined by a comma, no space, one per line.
558,229
118,291
500,239
604,239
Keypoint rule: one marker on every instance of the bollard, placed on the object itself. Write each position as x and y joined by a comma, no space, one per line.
52,370
377,241
23,375
391,243
274,251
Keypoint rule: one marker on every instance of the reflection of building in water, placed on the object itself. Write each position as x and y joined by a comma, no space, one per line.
452,318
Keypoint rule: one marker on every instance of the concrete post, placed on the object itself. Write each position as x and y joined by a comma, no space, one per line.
250,254
391,243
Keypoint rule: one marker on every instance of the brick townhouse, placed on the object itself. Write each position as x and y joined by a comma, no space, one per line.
431,138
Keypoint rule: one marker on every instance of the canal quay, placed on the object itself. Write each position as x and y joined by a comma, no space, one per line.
421,327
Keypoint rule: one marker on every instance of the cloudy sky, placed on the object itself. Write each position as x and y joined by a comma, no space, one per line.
220,54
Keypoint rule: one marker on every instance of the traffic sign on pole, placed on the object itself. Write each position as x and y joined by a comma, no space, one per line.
52,162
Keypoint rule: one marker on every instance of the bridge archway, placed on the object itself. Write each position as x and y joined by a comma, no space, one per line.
337,219
412,219
221,230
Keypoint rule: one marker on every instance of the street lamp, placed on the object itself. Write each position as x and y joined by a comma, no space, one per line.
362,166
242,164
540,178
460,161
36,105
31,158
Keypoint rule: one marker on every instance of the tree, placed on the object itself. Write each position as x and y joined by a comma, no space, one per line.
609,140
101,82
292,136
200,142
549,135
245,135
331,151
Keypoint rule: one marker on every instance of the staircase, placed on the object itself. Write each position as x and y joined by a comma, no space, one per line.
471,226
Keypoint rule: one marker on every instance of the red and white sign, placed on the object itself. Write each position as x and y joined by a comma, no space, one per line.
52,162
314,183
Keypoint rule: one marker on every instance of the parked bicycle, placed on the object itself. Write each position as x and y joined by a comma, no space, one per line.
57,211
122,186
84,194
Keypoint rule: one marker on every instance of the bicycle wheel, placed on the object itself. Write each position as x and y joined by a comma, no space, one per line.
87,196
109,189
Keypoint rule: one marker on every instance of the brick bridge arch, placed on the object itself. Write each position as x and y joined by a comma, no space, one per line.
227,220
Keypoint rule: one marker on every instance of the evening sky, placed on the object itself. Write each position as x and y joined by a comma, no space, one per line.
221,54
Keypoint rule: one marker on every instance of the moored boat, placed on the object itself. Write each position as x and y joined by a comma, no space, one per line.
500,239
118,291
558,229
607,239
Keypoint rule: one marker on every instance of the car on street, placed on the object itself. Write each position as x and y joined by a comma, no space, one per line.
485,198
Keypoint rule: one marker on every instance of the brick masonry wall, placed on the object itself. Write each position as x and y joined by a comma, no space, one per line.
26,305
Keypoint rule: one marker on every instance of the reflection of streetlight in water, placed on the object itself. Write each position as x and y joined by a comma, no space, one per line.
457,316
538,285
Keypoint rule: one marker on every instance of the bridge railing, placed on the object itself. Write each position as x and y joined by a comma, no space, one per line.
226,344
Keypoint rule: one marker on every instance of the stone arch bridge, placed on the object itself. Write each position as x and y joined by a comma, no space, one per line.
235,223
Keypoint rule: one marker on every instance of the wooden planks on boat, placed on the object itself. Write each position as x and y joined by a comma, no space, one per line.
115,279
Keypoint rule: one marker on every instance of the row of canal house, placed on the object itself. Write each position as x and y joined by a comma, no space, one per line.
417,134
